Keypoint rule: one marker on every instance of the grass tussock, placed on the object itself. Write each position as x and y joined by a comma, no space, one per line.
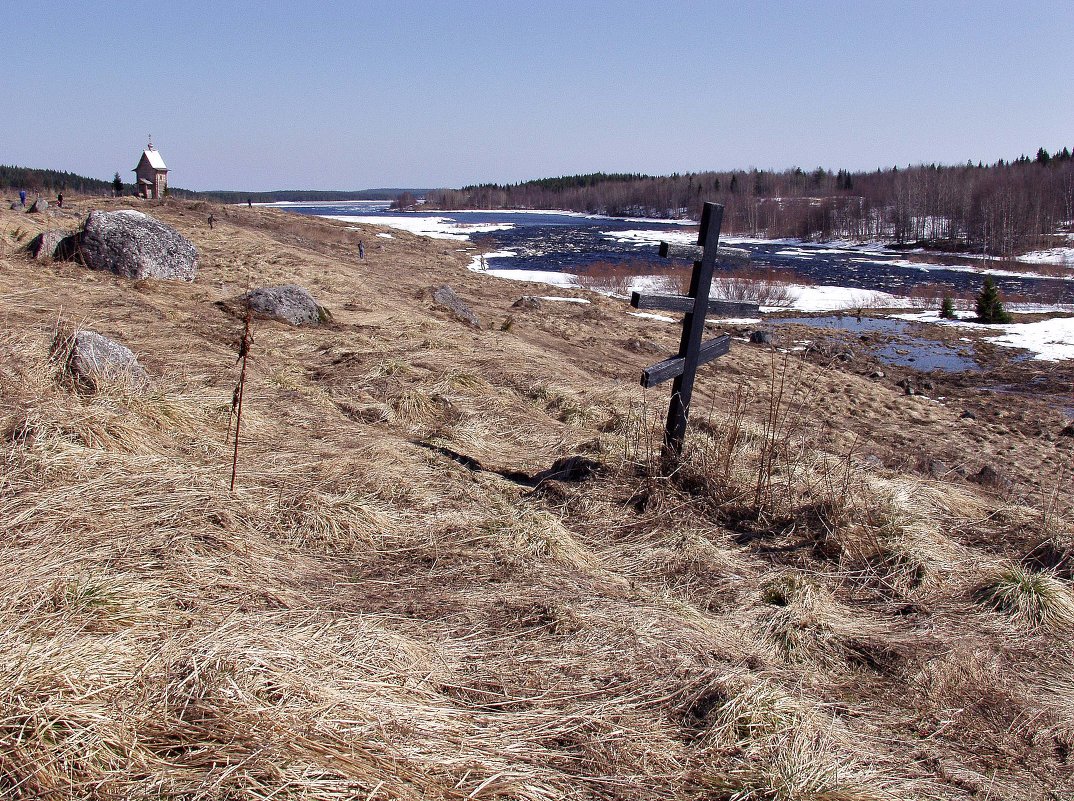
1030,598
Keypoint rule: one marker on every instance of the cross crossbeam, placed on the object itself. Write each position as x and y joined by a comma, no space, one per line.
673,366
726,255
684,303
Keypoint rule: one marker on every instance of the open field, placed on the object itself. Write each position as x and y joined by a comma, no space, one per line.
452,569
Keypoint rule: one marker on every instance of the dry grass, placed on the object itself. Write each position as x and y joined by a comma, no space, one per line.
391,607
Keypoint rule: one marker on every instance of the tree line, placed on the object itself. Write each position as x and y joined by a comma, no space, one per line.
36,180
1001,209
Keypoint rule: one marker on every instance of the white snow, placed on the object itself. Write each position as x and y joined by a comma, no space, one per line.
837,298
383,235
1051,340
1063,256
479,263
650,316
563,299
432,227
539,276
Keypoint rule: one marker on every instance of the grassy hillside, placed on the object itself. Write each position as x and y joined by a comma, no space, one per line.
400,601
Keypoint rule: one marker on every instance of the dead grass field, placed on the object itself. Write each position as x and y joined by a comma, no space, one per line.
394,605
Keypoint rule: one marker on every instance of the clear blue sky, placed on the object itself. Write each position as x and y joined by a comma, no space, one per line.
360,94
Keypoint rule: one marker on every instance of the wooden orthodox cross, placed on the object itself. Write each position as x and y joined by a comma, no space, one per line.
692,351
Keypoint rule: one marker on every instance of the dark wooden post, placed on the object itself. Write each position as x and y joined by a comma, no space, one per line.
693,326
692,351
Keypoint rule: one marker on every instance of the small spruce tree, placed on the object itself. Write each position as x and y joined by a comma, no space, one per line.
989,305
117,185
947,308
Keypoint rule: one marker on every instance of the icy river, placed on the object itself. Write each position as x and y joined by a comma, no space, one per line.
558,242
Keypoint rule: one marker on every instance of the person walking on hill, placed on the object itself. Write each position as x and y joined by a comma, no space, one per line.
361,249
211,222
22,197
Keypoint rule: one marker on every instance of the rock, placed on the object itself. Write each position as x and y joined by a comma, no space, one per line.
877,374
527,302
39,205
988,477
16,206
52,244
92,359
289,303
872,461
445,297
1068,431
642,346
937,468
134,245
762,338
907,386
967,415
928,385
845,356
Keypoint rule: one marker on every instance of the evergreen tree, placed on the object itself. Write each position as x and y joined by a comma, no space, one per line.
989,305
947,308
117,185
1043,157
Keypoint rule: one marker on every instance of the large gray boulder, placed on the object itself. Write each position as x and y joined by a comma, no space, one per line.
446,298
39,205
92,359
134,245
289,303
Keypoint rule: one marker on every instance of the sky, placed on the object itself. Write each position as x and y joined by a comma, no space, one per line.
355,94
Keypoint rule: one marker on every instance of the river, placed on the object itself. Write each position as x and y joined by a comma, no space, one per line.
565,242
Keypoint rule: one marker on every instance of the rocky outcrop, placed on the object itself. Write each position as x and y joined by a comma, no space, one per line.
289,303
134,245
445,297
39,205
91,359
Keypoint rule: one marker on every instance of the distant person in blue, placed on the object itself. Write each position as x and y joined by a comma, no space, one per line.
22,197
361,249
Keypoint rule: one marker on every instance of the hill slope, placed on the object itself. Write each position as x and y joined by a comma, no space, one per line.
400,601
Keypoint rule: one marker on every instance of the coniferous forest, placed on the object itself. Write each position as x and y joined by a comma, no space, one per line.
1001,209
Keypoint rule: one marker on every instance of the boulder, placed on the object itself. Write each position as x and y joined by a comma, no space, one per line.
642,346
16,206
52,244
39,205
987,476
1068,430
92,359
134,245
445,297
762,338
527,302
289,303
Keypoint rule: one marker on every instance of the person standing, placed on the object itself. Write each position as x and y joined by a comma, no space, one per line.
22,197
59,200
361,249
210,222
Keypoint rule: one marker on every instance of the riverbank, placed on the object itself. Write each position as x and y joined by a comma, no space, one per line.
454,568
